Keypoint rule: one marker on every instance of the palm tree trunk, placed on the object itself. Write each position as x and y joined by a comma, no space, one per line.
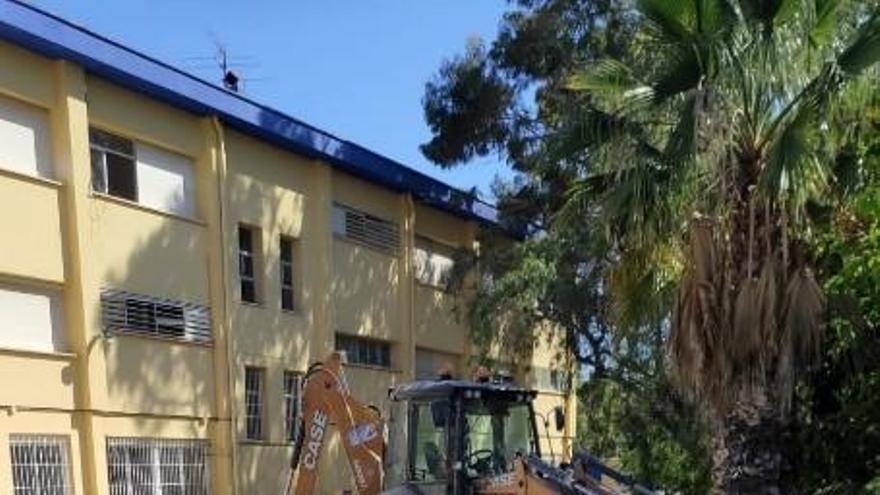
749,450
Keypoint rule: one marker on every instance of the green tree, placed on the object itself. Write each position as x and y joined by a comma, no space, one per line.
697,136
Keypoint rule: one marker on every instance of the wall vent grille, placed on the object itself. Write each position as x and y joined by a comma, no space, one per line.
127,312
366,229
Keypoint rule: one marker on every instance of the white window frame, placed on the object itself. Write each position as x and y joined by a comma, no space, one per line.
432,267
35,470
254,387
250,255
380,349
25,132
130,313
292,394
103,186
156,460
32,318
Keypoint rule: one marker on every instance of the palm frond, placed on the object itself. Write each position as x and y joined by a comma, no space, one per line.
802,330
825,22
769,13
864,51
614,84
672,20
685,70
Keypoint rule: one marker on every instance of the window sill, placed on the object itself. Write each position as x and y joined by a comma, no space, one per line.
435,288
149,209
264,443
252,304
11,351
365,245
292,313
372,367
34,179
171,340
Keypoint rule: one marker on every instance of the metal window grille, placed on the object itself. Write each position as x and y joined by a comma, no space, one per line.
361,350
287,299
127,312
366,229
146,466
40,465
292,404
246,271
114,168
253,402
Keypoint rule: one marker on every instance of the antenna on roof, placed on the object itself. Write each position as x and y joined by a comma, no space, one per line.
230,67
230,78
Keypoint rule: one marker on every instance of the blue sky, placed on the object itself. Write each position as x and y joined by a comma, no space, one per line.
354,68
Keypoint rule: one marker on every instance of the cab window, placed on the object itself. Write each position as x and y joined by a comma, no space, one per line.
429,463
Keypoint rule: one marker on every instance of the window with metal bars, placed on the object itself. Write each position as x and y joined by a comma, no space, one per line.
292,395
127,312
253,402
146,466
366,229
247,263
285,245
40,465
360,350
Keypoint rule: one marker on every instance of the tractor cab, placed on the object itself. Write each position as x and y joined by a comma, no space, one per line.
463,434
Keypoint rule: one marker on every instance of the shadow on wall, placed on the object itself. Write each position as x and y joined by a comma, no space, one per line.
156,255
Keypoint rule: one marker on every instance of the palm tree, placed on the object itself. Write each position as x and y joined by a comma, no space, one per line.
711,142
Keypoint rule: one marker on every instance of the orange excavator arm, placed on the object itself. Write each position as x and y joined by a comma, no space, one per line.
326,401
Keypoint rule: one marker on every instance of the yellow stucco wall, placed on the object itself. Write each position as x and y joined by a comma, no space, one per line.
77,242
31,218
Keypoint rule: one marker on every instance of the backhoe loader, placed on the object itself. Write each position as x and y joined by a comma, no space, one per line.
462,438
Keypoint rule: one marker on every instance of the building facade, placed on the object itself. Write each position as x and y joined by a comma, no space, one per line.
175,256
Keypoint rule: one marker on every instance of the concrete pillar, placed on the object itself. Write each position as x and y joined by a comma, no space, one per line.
406,288
70,147
317,239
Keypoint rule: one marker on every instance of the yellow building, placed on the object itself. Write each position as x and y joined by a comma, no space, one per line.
173,258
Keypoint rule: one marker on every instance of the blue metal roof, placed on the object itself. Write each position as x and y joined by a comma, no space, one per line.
55,37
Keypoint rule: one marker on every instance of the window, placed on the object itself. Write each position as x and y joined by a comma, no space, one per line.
143,466
165,180
550,379
286,257
363,228
360,350
31,319
114,165
40,465
247,264
127,312
141,172
292,390
429,463
429,363
253,402
433,262
24,132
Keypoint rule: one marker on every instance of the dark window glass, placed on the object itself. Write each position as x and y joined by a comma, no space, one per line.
292,387
366,351
286,246
246,264
253,403
114,169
